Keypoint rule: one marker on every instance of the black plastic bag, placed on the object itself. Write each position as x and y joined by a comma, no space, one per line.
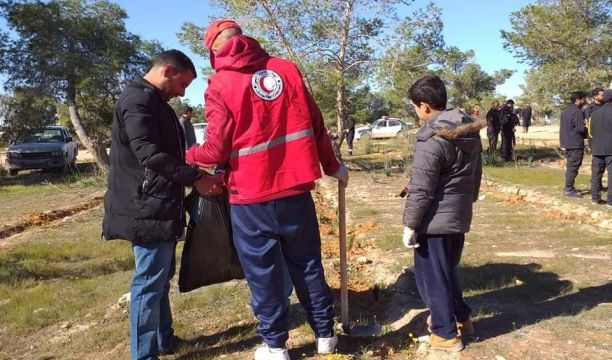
209,256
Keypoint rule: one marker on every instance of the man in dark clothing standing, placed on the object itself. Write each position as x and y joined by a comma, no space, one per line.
508,121
601,147
445,181
597,101
526,118
349,127
493,127
144,200
185,120
571,137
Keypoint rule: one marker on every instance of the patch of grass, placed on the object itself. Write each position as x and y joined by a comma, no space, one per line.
534,177
390,239
365,212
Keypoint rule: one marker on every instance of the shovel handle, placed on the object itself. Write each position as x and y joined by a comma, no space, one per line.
343,259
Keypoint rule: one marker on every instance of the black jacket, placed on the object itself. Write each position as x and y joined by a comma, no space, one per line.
526,116
446,174
601,130
572,131
493,126
507,119
590,109
148,174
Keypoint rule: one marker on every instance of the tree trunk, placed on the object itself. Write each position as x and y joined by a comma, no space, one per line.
98,150
341,111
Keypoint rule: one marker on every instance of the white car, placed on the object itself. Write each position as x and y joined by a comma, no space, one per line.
200,132
383,128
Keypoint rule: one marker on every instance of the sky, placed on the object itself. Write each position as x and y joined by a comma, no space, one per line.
468,24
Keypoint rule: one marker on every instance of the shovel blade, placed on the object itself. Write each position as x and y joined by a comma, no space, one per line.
364,331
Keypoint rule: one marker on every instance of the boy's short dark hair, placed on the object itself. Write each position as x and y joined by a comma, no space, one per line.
175,58
187,109
429,89
596,91
576,95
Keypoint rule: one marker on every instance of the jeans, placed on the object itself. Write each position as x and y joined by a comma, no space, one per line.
150,315
435,271
264,234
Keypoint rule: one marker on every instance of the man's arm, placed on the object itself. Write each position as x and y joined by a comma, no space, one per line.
218,146
578,124
144,138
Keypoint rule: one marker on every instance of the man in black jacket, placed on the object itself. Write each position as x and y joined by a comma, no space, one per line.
571,137
144,200
508,121
445,181
601,147
493,127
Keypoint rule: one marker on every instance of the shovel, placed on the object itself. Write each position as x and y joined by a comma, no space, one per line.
359,330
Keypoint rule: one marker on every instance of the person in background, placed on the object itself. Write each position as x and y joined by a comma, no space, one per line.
349,128
526,115
572,133
144,199
597,101
601,147
493,127
476,111
508,122
185,120
445,181
264,123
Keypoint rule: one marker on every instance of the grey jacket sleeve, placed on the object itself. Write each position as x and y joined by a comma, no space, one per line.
428,160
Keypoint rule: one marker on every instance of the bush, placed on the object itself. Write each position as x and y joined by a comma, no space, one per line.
366,141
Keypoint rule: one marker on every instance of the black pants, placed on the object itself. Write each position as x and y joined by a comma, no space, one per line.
507,144
492,135
574,161
435,270
598,167
350,136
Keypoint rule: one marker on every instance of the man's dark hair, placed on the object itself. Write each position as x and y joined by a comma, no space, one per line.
576,95
175,58
509,101
596,91
429,89
187,109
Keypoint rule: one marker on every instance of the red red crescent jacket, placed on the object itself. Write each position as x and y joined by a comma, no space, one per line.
264,123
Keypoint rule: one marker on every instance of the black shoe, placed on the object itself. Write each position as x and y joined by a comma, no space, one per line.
175,343
572,193
597,202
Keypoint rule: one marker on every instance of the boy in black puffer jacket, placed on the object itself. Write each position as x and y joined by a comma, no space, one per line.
446,174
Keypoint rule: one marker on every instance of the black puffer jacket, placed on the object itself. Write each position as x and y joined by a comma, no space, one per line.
446,174
148,174
601,131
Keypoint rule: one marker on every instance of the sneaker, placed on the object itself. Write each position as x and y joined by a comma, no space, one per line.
266,353
465,328
439,343
597,202
327,345
572,193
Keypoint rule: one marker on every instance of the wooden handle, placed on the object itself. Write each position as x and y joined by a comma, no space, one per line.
343,258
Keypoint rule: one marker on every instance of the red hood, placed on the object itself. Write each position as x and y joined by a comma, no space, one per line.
240,53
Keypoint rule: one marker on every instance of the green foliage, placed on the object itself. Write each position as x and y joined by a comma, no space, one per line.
468,83
77,51
25,112
567,42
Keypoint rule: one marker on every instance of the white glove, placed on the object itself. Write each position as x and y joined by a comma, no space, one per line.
342,175
409,238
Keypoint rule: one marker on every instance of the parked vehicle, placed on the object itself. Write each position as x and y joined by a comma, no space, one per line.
200,132
383,128
50,148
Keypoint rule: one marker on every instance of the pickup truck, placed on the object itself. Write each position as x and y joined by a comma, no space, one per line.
51,148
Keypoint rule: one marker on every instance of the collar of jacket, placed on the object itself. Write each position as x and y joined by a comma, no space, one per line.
450,124
147,87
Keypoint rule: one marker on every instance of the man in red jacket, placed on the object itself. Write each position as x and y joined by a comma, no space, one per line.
265,125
